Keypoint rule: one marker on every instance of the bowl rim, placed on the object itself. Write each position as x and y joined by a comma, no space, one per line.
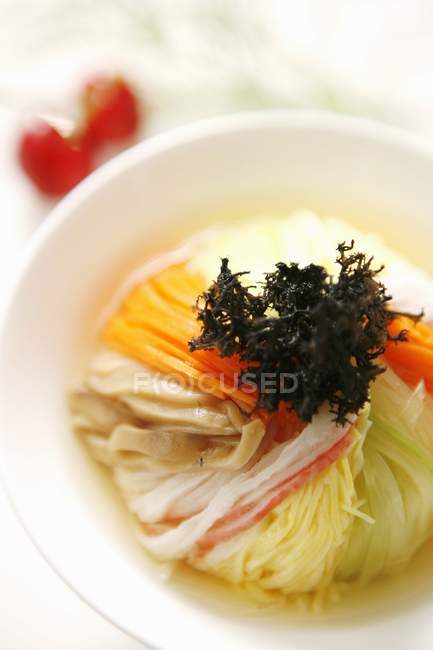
325,121
245,121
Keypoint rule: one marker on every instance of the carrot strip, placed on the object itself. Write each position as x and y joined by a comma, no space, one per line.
412,360
154,325
416,332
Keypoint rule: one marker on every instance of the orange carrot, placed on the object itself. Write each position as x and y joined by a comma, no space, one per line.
417,332
411,360
154,325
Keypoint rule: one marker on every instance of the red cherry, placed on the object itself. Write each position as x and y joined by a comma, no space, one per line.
54,164
112,112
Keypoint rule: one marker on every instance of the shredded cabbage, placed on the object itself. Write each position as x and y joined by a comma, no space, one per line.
268,239
395,483
364,517
297,548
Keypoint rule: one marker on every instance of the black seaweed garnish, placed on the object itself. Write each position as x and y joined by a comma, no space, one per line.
325,333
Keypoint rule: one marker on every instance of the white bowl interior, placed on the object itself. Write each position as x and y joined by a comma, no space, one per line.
144,202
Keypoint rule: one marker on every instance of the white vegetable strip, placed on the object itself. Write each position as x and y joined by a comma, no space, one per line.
133,483
255,495
228,548
198,498
155,504
319,436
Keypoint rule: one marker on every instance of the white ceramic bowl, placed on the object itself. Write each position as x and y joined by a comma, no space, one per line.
136,205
